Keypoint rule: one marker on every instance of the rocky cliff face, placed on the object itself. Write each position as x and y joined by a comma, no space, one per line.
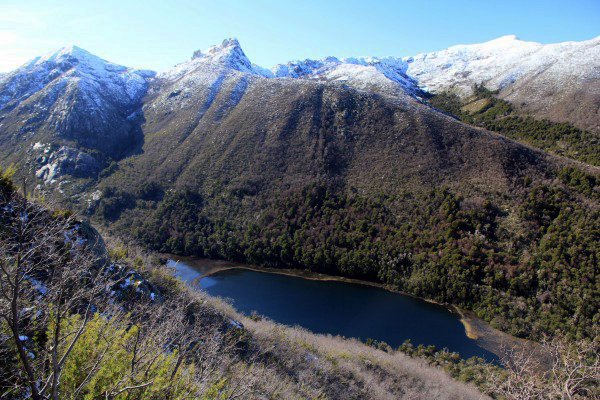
52,163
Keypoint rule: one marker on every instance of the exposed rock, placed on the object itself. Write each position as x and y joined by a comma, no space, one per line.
64,161
77,97
94,241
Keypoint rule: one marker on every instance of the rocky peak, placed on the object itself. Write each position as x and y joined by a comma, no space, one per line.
227,46
229,54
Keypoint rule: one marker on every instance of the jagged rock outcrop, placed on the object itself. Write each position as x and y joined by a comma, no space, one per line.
52,164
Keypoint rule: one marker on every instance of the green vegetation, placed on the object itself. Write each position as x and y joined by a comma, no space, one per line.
489,112
117,341
580,182
117,325
536,277
86,323
6,183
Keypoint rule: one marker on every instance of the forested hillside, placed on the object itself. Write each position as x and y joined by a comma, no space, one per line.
357,177
83,319
484,109
511,266
339,181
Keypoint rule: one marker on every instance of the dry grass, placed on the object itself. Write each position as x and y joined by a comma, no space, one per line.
303,364
282,362
475,106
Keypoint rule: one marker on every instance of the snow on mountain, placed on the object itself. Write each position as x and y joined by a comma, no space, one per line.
74,66
501,62
386,75
368,73
229,54
560,81
224,57
75,95
195,83
71,87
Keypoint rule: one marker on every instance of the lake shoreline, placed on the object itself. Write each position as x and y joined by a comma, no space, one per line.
476,329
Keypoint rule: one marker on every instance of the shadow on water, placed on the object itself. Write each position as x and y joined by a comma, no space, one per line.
338,308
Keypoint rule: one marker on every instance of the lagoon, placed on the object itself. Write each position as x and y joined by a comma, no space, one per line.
335,307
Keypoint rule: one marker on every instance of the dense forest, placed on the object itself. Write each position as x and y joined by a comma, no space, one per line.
489,112
84,318
529,269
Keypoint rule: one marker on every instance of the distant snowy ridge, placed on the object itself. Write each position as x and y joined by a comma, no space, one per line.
362,72
497,64
525,72
501,62
368,73
559,82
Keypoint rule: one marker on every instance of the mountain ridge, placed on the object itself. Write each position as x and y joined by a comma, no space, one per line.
90,104
343,176
559,82
555,81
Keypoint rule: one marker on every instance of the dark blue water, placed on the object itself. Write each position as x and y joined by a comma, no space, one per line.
338,308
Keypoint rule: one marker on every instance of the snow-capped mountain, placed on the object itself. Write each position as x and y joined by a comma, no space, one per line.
209,67
73,66
76,105
387,75
75,95
69,112
558,81
226,56
495,63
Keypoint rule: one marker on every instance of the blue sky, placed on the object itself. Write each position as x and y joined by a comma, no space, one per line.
158,34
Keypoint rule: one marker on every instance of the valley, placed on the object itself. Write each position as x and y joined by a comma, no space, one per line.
297,167
412,314
469,177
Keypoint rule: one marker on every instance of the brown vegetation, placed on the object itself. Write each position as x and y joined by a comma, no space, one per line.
78,324
574,371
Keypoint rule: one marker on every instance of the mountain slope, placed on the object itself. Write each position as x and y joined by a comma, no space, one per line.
216,119
318,174
304,130
387,75
560,82
79,108
324,174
